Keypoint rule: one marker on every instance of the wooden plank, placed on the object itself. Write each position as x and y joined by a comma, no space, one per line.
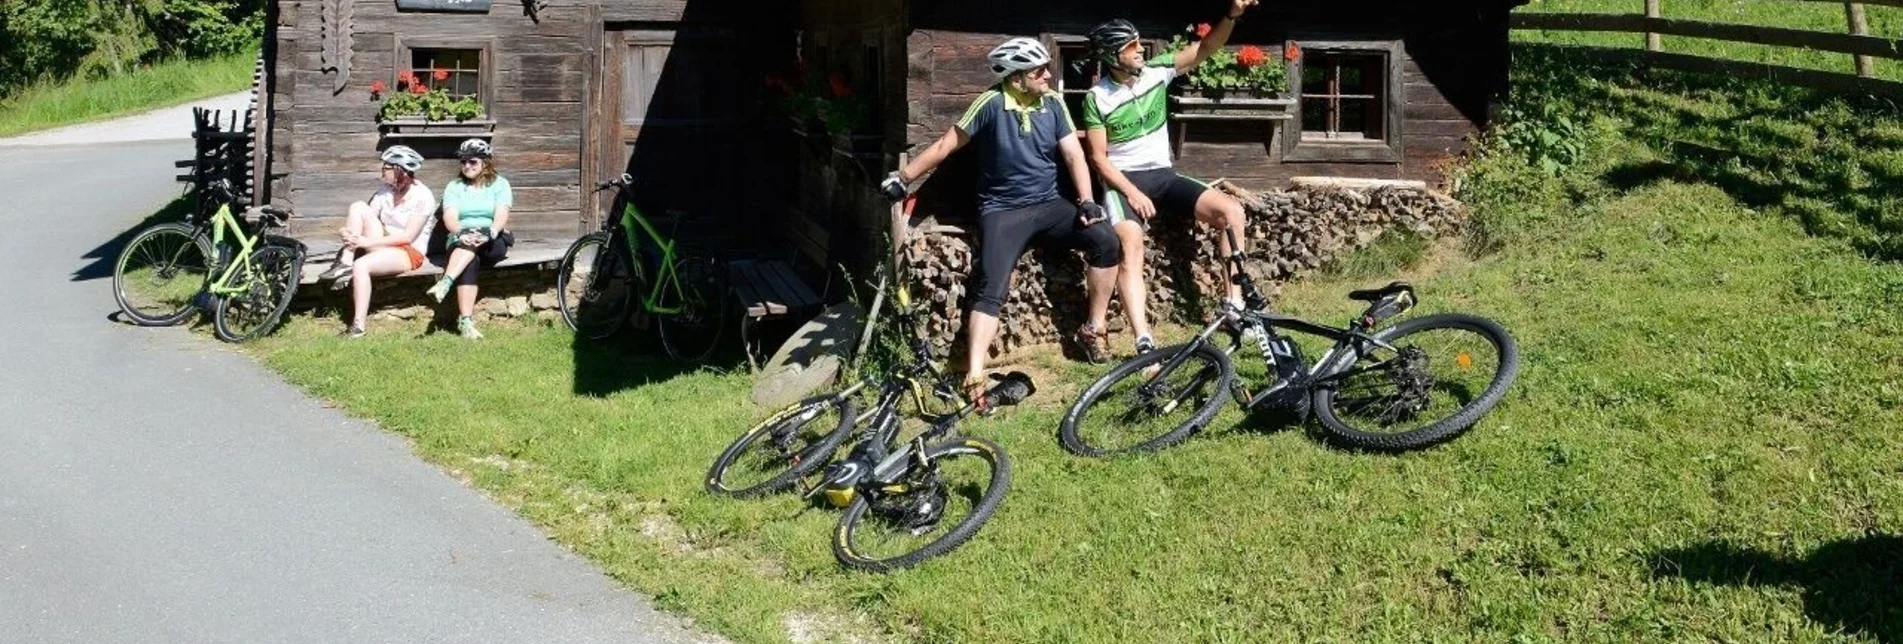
770,289
1842,43
1885,3
791,287
743,291
1821,80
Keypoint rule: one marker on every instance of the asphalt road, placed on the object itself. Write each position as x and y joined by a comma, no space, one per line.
158,487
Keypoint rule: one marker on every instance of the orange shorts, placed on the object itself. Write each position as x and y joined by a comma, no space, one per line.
416,257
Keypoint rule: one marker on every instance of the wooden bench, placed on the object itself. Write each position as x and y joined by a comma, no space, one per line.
524,252
767,289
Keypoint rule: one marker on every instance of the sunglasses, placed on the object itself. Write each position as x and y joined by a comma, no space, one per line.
472,161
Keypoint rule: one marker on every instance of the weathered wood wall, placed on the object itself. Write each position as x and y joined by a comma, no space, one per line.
325,142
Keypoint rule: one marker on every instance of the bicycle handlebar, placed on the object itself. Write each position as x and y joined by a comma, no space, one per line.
618,182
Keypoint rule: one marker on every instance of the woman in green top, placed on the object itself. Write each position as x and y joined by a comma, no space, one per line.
476,214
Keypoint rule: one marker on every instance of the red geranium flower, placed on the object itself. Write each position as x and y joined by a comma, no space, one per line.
1250,56
440,74
406,77
419,89
377,87
841,88
1292,53
1202,30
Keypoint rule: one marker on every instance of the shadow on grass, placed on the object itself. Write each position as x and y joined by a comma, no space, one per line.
1829,161
633,358
1851,585
106,254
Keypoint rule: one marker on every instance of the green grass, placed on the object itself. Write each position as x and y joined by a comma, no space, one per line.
1813,16
1702,444
165,84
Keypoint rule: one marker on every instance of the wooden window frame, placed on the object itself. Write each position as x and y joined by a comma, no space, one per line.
1385,150
485,80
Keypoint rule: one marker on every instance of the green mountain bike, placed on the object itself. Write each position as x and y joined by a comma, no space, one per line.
227,264
601,273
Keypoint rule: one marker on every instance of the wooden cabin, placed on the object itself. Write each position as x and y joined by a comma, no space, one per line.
573,92
675,92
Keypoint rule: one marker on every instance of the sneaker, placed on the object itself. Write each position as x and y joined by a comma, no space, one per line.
466,326
1096,343
337,269
352,331
340,283
1146,344
440,290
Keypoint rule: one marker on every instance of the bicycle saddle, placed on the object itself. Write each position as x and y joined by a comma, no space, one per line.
1375,294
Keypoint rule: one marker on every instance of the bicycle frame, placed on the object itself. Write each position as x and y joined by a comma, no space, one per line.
223,222
666,276
1350,342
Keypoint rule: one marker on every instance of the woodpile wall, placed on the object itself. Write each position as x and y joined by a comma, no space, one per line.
1290,233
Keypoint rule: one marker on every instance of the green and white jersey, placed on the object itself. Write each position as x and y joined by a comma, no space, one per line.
1133,116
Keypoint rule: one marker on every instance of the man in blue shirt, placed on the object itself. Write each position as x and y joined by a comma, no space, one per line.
1021,128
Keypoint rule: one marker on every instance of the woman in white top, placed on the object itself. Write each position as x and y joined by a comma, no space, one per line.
386,235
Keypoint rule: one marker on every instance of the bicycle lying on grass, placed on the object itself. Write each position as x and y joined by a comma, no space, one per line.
904,502
601,272
228,264
1410,385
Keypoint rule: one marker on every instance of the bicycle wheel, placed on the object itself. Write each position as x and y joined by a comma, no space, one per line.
1126,412
927,512
692,333
594,287
780,450
1444,373
160,273
268,288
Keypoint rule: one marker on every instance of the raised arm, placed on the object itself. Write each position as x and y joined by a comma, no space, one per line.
1189,57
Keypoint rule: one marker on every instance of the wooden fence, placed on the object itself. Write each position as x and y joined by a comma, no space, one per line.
1855,41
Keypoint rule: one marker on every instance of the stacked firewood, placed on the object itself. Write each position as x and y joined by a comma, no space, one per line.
1290,233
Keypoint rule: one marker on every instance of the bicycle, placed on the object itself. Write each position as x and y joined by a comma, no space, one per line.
1374,389
896,495
234,267
600,273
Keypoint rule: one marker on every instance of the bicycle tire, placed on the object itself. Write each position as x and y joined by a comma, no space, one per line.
167,310
1459,421
692,333
987,504
1071,429
592,311
270,286
806,459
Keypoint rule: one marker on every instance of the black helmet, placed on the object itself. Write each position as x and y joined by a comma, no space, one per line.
1108,39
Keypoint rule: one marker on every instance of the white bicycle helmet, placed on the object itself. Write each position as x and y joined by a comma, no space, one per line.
475,149
403,157
1016,55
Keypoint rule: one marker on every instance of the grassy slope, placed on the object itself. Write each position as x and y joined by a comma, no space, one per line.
162,85
1702,444
1814,16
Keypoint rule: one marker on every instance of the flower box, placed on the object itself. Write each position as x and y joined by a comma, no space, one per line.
419,127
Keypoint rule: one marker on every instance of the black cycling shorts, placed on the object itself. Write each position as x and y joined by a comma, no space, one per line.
1008,232
1168,191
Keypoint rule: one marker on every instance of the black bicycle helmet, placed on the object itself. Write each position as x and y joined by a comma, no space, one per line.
1108,39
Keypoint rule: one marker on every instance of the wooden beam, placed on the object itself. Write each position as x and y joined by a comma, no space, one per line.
1827,81
1842,43
1652,38
1886,3
1859,26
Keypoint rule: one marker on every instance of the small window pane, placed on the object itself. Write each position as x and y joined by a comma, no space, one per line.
463,68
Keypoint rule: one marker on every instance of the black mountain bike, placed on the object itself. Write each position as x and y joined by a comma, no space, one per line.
904,502
1409,385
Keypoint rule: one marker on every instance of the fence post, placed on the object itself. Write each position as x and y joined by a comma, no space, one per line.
1853,11
1652,11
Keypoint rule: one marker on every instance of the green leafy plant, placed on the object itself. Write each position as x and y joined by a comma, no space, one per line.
829,98
1545,134
1244,68
414,97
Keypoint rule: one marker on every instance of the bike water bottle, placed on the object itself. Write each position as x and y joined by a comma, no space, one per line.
1287,364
